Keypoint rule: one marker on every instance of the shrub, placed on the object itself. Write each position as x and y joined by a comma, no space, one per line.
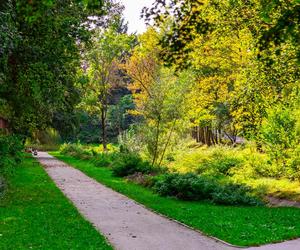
192,187
10,150
184,186
293,165
130,141
279,135
219,165
76,150
145,180
104,159
234,194
128,164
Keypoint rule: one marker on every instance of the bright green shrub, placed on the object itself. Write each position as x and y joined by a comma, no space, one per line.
220,165
192,187
128,164
104,159
76,150
293,164
280,136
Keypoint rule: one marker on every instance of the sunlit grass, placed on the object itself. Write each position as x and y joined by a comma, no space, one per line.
242,226
34,214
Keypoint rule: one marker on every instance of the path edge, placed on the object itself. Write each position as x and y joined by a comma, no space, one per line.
174,220
158,213
73,204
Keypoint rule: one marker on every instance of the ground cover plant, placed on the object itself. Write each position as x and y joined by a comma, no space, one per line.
240,225
242,164
183,186
192,187
34,214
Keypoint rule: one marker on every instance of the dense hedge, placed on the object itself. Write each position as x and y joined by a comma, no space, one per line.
10,150
193,187
10,155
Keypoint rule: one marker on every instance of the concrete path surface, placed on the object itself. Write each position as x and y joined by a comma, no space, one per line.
126,224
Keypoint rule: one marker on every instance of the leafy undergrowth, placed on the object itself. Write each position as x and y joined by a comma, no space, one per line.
34,214
238,225
242,165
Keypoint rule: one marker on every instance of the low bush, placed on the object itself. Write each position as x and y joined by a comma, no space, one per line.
104,159
145,180
10,150
218,165
293,165
193,187
76,150
235,194
130,163
184,186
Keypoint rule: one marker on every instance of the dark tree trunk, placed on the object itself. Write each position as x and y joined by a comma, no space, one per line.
206,135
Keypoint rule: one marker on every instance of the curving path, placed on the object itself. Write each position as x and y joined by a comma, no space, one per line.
126,224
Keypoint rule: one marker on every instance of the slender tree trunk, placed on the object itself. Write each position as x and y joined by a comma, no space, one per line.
156,142
167,143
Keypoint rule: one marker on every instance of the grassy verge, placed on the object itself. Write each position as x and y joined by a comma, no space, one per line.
34,214
242,226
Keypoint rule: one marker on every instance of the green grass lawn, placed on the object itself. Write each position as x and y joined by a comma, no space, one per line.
34,214
242,226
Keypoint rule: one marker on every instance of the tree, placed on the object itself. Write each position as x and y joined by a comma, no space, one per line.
40,58
104,73
118,114
155,91
237,80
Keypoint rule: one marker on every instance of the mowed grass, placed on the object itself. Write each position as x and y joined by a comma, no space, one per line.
243,226
34,214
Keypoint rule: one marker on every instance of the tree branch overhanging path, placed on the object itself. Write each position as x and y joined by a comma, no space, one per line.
126,224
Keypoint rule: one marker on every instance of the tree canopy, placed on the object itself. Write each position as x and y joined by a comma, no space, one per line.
40,57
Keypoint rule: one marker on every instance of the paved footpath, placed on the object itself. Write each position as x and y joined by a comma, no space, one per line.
126,224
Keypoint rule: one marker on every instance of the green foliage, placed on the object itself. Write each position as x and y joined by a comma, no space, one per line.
10,150
128,164
220,164
245,57
103,72
131,140
293,164
76,150
88,129
42,59
279,135
105,159
45,140
92,152
118,117
192,187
